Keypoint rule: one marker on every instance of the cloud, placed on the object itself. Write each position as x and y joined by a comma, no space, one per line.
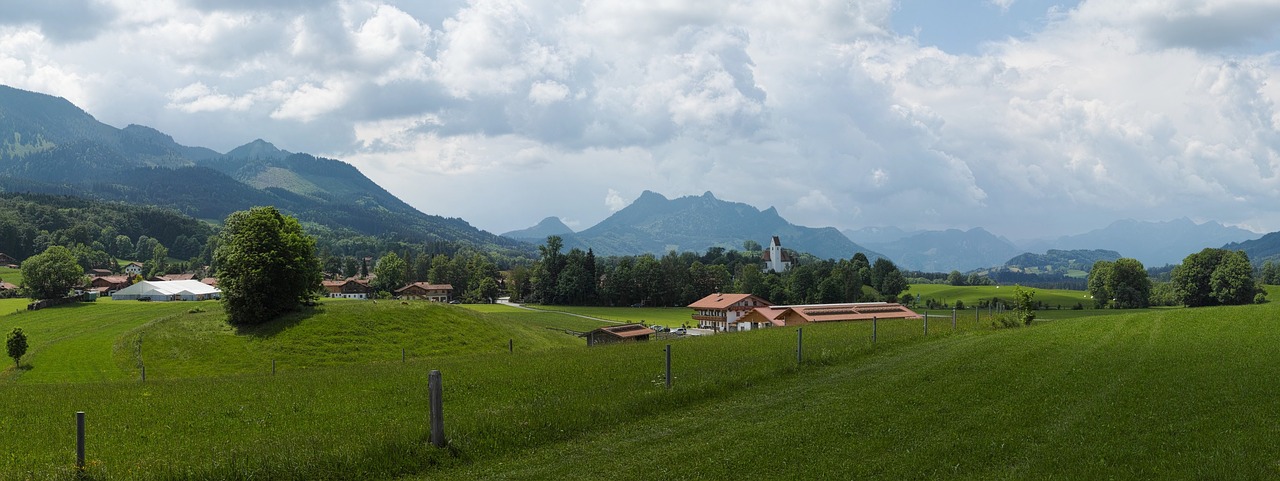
614,201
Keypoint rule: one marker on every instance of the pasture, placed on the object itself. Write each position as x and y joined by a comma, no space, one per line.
1170,393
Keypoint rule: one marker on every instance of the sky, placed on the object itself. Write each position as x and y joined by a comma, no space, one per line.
1030,118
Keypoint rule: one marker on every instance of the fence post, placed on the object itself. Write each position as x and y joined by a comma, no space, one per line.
80,440
668,366
953,318
800,345
873,329
511,346
926,323
437,409
402,356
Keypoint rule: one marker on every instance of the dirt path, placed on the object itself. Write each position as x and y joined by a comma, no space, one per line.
518,306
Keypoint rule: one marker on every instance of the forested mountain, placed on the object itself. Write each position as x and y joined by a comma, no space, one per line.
1266,248
655,224
947,250
1152,243
29,223
51,146
1056,261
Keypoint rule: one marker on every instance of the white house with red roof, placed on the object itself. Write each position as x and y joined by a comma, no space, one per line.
719,311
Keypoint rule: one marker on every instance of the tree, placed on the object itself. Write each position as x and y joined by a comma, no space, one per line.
751,246
17,345
1128,284
1100,282
266,266
1024,305
389,273
955,278
1213,277
51,274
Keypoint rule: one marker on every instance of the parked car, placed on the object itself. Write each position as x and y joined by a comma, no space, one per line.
659,328
679,331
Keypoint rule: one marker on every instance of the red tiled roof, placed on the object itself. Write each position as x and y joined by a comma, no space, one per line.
627,330
429,287
723,301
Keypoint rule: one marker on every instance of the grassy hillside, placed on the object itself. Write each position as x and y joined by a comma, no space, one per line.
971,295
1177,393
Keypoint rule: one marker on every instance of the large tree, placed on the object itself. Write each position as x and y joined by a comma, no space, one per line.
52,273
1213,277
266,266
1129,285
388,273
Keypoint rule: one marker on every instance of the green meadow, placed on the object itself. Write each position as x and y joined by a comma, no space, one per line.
1167,393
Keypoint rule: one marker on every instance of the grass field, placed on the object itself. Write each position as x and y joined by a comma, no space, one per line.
11,275
1172,393
971,295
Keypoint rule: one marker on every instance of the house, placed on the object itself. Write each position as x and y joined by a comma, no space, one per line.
133,269
107,285
187,290
212,281
6,260
618,333
423,290
718,311
98,272
348,288
8,289
775,259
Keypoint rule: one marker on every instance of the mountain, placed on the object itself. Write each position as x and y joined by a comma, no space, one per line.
48,145
655,224
1265,248
1062,262
947,250
877,235
538,233
1152,243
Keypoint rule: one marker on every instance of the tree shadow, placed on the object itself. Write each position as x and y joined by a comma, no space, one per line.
271,328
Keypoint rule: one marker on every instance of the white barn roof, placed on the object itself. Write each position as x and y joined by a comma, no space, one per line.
168,288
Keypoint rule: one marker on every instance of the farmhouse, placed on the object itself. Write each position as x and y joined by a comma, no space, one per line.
133,269
348,288
107,285
619,333
718,311
168,291
775,259
423,290
7,260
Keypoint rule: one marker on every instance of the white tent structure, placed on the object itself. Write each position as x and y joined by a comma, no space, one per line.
168,291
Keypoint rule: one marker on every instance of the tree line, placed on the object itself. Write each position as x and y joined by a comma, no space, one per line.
1211,277
678,279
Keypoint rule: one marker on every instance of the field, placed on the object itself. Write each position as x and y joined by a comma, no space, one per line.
1172,393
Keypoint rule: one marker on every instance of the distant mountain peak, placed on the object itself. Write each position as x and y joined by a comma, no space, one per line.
547,227
258,149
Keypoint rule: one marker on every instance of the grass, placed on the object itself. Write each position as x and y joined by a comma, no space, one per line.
667,316
971,295
11,275
1173,393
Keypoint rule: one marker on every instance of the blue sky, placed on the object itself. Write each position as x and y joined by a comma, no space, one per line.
1029,118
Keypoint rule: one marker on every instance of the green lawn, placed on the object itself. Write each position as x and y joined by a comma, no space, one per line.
971,295
1156,394
667,316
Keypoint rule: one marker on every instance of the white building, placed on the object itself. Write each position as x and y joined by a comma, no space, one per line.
775,259
168,291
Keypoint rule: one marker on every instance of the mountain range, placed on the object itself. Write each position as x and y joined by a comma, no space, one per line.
51,146
1153,243
656,224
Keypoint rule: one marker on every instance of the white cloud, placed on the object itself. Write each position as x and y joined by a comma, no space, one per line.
614,201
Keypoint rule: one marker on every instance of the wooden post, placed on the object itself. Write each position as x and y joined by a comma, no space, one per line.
80,440
511,346
437,409
926,323
402,356
873,329
668,366
800,345
953,318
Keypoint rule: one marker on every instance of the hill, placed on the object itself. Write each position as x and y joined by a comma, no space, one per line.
1260,250
1064,262
547,227
1130,395
1153,243
947,250
51,146
655,224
